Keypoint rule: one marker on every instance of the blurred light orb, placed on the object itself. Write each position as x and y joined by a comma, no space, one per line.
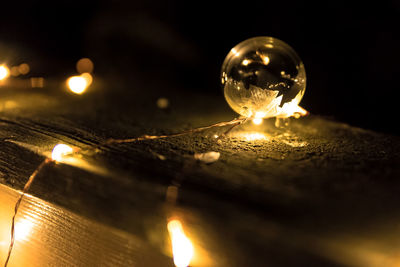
162,103
24,68
257,121
4,72
14,71
88,77
77,84
263,77
84,65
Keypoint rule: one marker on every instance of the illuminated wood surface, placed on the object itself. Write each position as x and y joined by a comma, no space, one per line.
320,194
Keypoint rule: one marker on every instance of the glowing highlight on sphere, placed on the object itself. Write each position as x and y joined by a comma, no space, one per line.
4,72
182,247
265,60
245,62
61,150
77,84
257,121
271,87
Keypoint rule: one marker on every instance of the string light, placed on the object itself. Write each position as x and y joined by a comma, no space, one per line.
249,89
182,248
60,151
57,155
4,72
77,84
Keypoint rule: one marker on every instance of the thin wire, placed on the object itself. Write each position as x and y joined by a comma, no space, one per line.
234,123
17,204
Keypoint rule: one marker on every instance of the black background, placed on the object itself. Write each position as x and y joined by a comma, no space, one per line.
350,49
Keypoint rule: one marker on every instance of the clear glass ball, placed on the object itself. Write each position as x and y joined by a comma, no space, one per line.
263,77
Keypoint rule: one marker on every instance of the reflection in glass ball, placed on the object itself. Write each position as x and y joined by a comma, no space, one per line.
263,77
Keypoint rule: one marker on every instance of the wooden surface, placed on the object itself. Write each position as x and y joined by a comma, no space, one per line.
320,193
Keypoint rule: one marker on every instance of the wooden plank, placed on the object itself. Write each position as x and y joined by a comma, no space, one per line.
47,235
260,203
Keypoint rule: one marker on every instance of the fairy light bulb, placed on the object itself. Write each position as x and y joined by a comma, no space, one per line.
4,72
60,151
263,77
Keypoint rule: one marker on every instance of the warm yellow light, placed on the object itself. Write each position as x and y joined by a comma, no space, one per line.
292,109
251,136
265,59
84,65
77,84
88,77
23,228
24,68
61,150
234,51
162,103
182,248
255,136
257,121
245,62
4,72
14,71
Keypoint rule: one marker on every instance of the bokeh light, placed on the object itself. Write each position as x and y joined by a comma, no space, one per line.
84,65
77,84
14,71
88,77
4,72
24,68
162,103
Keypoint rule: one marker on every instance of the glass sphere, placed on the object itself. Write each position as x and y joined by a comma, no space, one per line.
263,77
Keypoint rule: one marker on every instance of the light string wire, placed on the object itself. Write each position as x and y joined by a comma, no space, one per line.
233,123
18,203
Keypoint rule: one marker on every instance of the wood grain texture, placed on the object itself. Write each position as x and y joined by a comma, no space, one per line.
297,197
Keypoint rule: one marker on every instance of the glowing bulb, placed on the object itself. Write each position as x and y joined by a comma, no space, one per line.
182,248
61,150
263,75
77,84
257,121
4,72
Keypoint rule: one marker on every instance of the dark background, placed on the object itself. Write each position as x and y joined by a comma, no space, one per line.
350,50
